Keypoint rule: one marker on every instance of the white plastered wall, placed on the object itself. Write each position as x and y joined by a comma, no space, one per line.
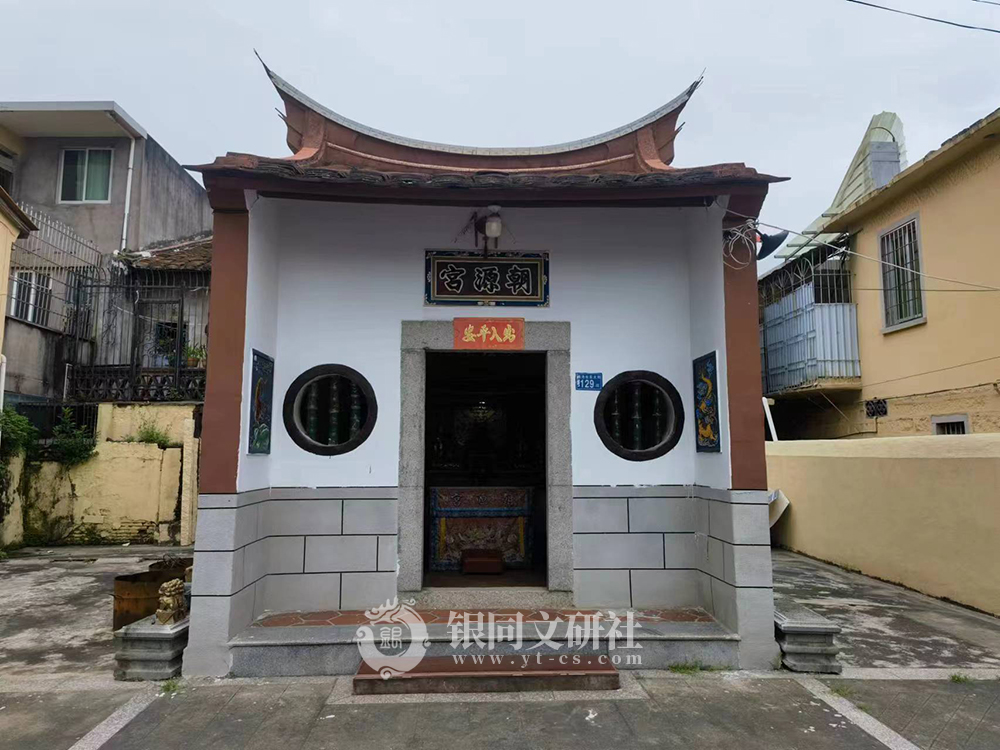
331,283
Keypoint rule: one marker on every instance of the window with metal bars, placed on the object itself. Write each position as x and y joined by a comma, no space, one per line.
330,409
899,249
957,424
639,415
31,296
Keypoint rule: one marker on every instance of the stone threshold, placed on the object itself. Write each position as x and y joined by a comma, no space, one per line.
503,674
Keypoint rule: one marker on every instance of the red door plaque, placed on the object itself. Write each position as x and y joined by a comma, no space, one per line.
489,333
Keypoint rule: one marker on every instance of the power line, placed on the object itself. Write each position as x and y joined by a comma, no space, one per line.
931,372
962,291
980,287
988,2
927,18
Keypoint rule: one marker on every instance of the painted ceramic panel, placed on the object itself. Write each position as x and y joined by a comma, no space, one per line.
706,404
261,403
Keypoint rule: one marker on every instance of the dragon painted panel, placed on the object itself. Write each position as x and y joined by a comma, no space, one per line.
706,404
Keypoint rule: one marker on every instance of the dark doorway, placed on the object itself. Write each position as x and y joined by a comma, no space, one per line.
485,467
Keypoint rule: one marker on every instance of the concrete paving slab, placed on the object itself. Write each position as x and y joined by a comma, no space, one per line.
54,721
709,711
887,626
938,714
56,614
176,722
745,713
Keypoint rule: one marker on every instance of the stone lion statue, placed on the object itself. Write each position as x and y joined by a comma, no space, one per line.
173,605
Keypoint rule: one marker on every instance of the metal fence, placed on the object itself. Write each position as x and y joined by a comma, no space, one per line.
136,334
808,324
46,270
144,337
46,415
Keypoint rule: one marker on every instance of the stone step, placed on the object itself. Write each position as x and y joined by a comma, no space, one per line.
314,644
499,674
522,597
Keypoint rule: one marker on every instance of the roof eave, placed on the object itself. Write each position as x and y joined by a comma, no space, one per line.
13,212
672,107
951,151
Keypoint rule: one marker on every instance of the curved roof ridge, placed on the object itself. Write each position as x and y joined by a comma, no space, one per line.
670,107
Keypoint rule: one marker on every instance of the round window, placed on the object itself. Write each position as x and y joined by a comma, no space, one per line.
330,409
639,415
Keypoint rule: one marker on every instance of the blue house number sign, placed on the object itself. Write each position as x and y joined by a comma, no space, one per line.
589,381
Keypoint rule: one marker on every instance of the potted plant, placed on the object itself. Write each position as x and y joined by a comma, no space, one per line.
195,355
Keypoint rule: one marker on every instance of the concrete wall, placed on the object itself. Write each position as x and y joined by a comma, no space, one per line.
128,492
920,511
8,234
166,201
36,359
37,183
172,203
817,419
122,494
955,210
121,421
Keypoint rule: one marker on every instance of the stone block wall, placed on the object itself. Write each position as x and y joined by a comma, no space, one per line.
291,549
652,547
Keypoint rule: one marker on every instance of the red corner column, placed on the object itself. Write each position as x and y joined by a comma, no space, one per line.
220,431
746,411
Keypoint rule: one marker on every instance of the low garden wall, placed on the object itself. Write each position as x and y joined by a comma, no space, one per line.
127,491
920,511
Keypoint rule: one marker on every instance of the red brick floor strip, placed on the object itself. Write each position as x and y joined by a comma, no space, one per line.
327,618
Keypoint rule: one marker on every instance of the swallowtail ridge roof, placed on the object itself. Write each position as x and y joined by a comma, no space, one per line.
331,149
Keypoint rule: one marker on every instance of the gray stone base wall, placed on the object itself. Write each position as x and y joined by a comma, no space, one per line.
284,550
677,546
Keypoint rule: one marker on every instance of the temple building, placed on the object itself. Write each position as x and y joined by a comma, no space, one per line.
479,377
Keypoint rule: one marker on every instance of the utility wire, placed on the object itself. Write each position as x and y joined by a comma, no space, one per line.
927,18
988,2
981,287
931,372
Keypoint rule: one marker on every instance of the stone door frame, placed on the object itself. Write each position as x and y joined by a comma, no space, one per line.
552,338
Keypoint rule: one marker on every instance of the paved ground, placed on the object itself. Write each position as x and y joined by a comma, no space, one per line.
885,625
666,712
56,690
56,651
56,610
940,714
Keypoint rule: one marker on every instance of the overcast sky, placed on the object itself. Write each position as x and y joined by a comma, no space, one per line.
789,89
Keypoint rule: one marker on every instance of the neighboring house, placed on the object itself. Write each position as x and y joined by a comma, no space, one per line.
97,186
927,358
14,225
149,328
92,167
